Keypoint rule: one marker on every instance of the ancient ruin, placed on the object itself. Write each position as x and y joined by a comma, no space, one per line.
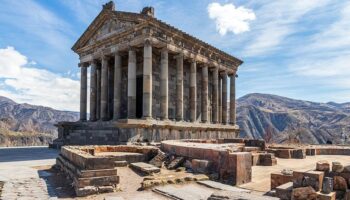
150,81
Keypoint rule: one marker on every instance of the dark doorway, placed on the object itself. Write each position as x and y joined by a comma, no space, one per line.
139,96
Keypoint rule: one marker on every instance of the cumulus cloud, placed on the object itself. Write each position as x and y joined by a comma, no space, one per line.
228,18
22,81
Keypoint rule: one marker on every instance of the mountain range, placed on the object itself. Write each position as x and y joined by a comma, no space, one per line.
280,120
25,124
263,116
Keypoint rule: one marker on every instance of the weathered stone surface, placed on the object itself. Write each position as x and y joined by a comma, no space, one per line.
327,186
158,159
347,194
177,162
236,168
339,183
304,193
278,179
229,195
187,192
329,196
323,165
346,169
145,167
200,166
284,191
309,178
337,167
220,186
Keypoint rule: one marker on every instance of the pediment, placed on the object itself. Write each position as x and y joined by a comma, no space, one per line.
110,27
104,25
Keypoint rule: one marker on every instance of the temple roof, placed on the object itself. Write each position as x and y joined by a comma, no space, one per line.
146,16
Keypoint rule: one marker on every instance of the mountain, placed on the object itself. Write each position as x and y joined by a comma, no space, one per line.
25,124
279,119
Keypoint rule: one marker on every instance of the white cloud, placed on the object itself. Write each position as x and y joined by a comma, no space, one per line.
228,18
25,83
277,20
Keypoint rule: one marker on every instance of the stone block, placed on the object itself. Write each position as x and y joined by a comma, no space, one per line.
304,193
177,162
278,179
145,167
298,153
337,167
121,163
339,183
322,196
158,159
327,186
200,166
310,152
323,165
255,159
347,195
283,153
309,178
284,191
237,169
96,181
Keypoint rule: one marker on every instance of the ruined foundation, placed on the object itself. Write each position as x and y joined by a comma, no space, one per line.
93,168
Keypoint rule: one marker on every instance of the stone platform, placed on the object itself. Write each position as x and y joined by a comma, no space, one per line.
133,130
93,168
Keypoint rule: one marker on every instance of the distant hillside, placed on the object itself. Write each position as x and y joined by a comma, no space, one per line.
24,124
279,119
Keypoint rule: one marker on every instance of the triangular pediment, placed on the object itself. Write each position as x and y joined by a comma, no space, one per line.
105,24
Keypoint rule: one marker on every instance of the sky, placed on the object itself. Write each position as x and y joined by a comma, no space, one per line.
298,49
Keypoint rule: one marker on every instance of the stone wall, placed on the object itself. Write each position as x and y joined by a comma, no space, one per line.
98,134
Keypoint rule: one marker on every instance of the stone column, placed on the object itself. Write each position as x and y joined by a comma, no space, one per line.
233,99
147,80
104,89
117,85
179,87
215,94
132,84
98,93
83,91
205,93
93,91
164,64
193,91
224,98
220,99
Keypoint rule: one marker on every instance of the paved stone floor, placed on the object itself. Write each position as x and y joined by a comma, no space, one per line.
261,174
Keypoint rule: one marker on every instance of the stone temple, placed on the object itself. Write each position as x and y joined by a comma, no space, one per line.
150,82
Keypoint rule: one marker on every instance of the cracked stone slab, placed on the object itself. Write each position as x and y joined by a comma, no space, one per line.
184,192
221,186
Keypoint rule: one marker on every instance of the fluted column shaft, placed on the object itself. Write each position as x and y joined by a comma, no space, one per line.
132,84
215,95
233,99
93,91
117,86
224,98
193,91
147,80
98,93
205,93
220,99
179,87
164,79
83,91
104,88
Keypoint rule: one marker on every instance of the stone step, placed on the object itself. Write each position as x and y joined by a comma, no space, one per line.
145,167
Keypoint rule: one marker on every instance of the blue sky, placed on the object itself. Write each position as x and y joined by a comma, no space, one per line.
298,49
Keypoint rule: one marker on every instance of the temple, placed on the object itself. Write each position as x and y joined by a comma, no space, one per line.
150,81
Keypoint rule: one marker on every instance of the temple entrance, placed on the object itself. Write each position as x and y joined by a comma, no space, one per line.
139,95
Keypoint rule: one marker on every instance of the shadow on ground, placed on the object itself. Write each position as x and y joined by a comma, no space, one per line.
57,184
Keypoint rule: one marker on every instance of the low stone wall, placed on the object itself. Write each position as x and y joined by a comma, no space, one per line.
121,132
232,165
93,168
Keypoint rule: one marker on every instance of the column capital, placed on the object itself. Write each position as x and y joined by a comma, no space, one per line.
179,55
83,64
147,41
